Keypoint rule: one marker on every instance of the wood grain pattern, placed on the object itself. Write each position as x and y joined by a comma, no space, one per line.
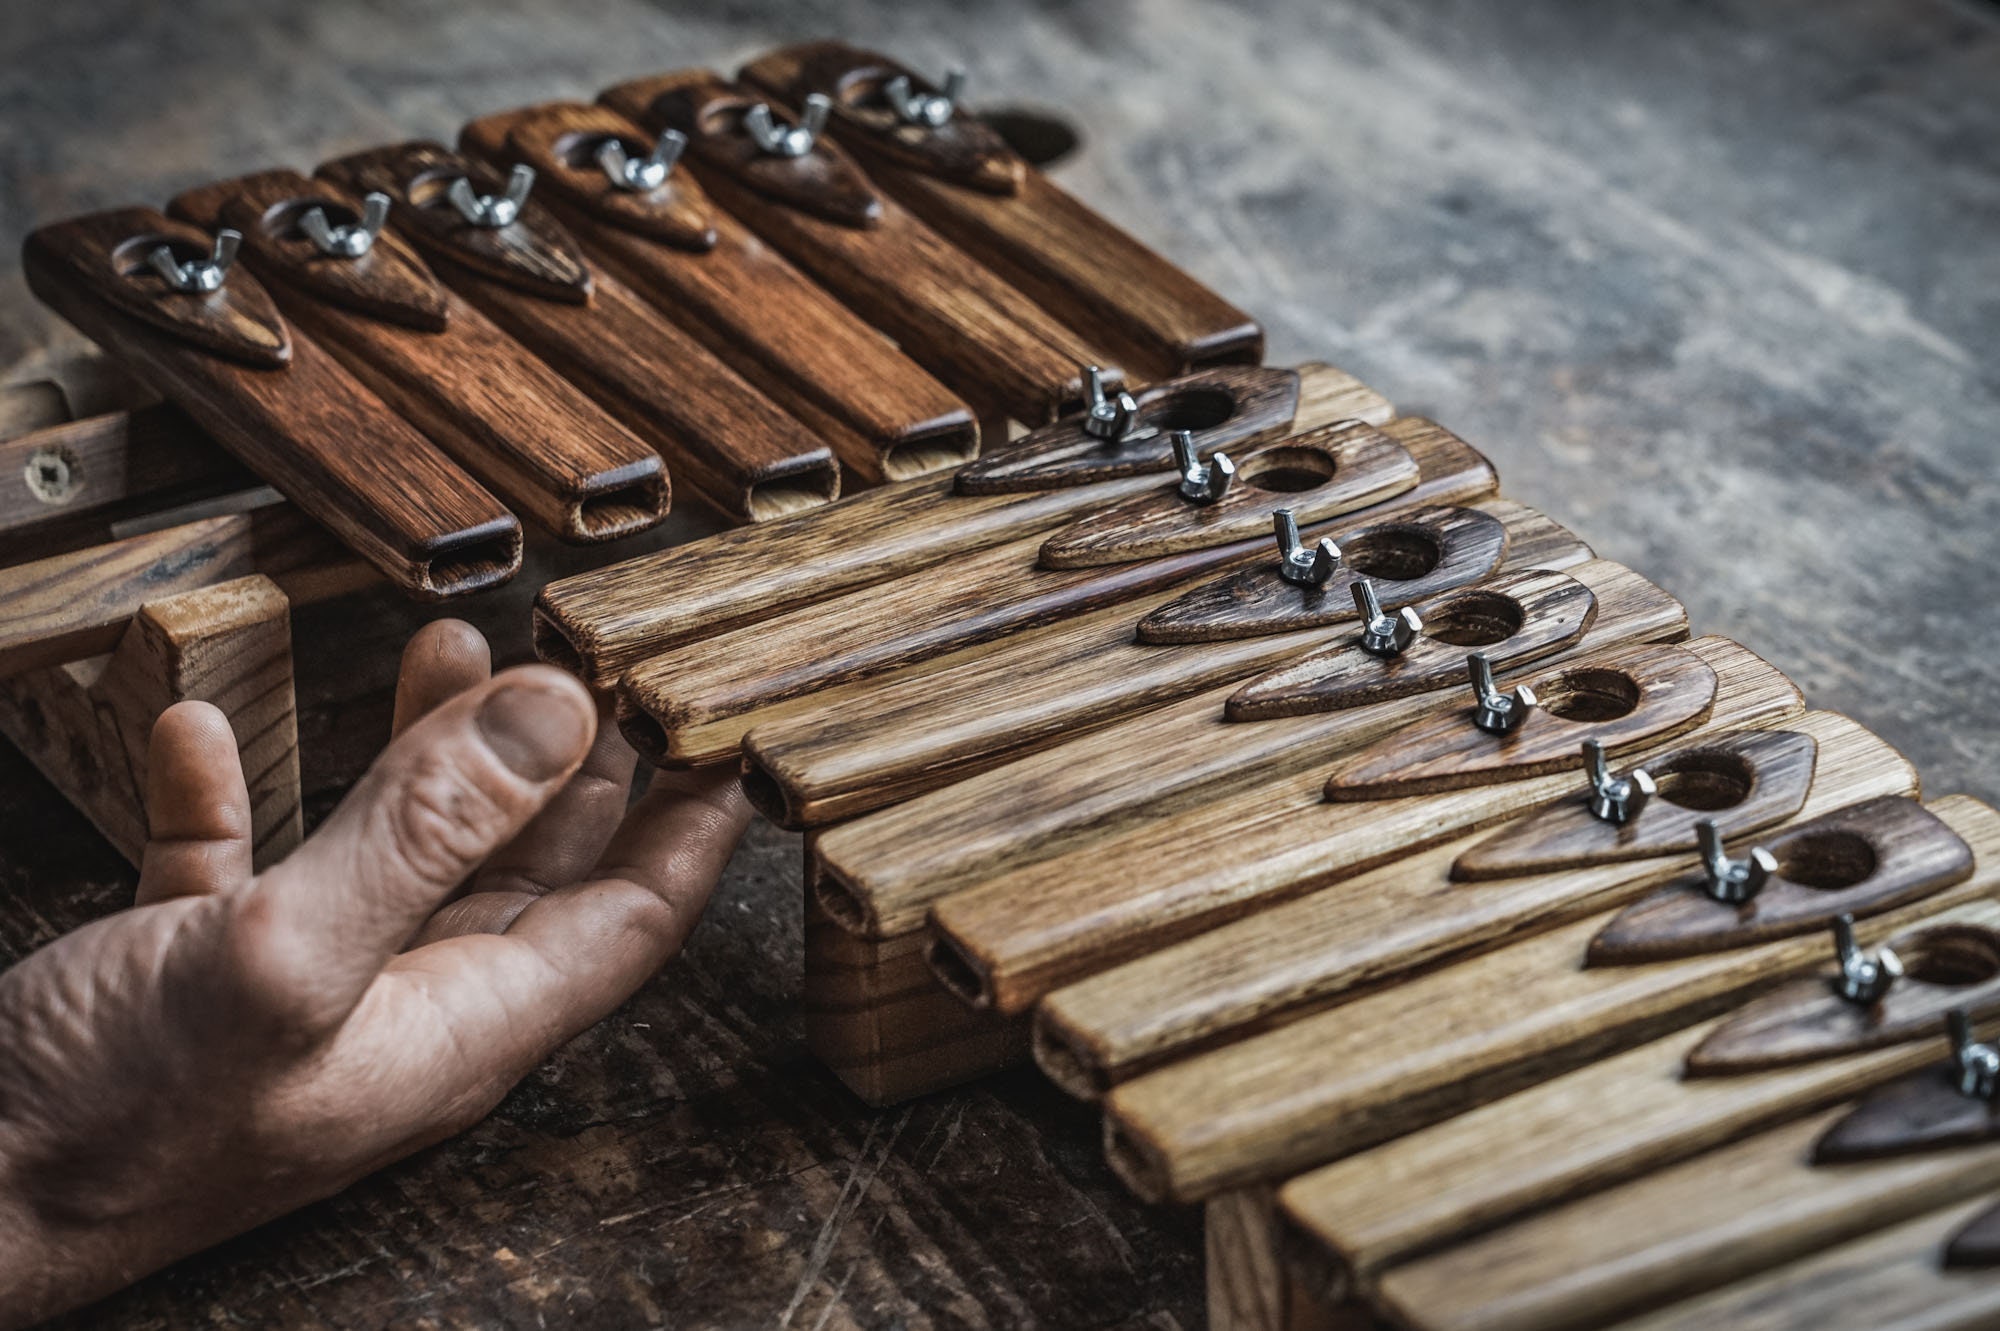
399,503
1334,1083
985,341
1361,929
1091,275
885,417
1920,1113
1743,783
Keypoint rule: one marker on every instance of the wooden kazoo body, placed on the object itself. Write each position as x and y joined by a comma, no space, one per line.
987,342
693,704
1545,1145
964,180
886,417
271,396
1400,1058
733,446
602,623
530,435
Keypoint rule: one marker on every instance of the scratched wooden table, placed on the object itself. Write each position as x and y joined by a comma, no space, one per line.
1714,283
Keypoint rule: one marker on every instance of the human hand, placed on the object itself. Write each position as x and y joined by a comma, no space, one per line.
239,1044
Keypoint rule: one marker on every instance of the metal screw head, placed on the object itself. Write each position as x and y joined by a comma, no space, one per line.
1863,980
1108,417
788,140
1301,565
929,110
1383,634
352,240
1732,881
1615,799
1496,713
198,276
1201,482
641,175
1976,1066
492,212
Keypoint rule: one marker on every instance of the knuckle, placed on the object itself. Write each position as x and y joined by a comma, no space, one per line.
441,821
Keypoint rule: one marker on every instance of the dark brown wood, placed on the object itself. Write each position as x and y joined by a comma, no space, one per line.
1860,861
1620,698
885,416
532,436
1922,1112
1743,782
738,451
300,421
1090,274
1514,618
1419,553
1977,1245
986,341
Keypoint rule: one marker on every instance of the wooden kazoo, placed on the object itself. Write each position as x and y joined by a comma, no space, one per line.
885,416
986,341
1365,929
600,624
737,450
908,736
272,397
692,704
522,429
882,872
1540,1147
1340,1081
964,180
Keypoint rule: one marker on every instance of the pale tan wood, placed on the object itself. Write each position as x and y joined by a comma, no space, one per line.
1281,962
87,725
1246,1280
1415,1053
1016,936
1887,1281
603,622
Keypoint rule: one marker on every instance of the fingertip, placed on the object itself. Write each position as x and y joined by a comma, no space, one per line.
443,659
194,777
538,721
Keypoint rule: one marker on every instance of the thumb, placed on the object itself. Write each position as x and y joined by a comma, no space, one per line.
313,932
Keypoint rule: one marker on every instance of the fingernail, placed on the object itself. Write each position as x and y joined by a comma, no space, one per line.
537,731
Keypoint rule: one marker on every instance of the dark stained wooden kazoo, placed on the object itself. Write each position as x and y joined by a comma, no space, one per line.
522,429
885,416
601,623
272,397
1365,926
1860,861
986,341
1222,407
1948,963
1402,1057
724,439
1618,699
1977,1245
1514,619
963,179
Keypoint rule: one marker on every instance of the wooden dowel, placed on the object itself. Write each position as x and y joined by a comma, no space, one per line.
1372,927
1418,1052
601,623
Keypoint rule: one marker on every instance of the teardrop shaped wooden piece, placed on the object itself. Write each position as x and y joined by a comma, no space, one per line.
1318,475
1643,693
1924,1111
1414,554
1807,1019
963,150
1539,611
106,254
709,110
1744,782
533,253
389,282
561,141
1859,861
1977,1245
1223,406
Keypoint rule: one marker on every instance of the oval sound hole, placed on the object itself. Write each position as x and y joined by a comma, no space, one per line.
1828,861
1475,619
429,189
1036,135
1395,553
130,258
1288,470
1703,780
281,222
1950,955
1590,695
1191,409
579,151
